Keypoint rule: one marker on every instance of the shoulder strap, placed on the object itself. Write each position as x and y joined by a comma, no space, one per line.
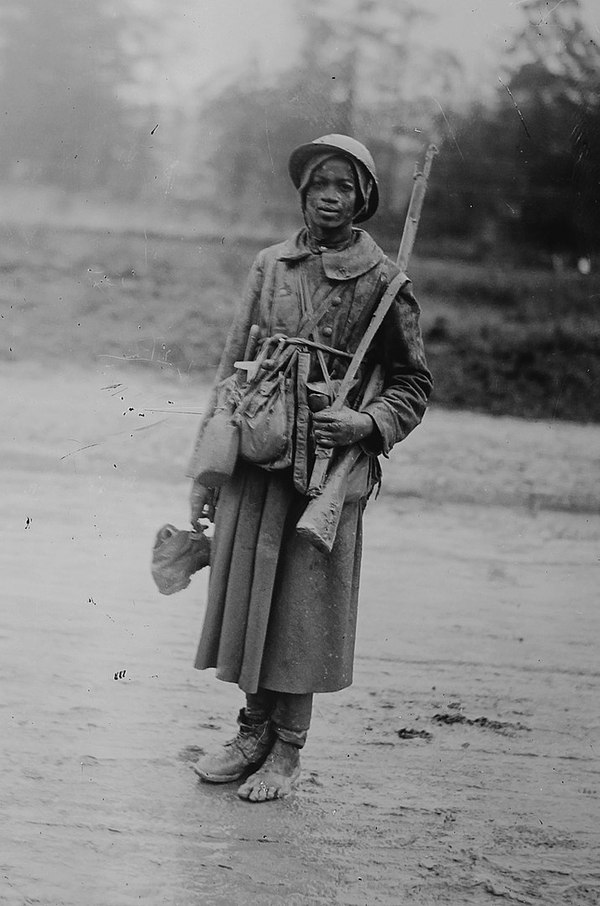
310,322
313,316
367,338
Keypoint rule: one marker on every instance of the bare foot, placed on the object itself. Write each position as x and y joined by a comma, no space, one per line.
277,777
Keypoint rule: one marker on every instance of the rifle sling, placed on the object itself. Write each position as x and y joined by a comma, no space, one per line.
375,323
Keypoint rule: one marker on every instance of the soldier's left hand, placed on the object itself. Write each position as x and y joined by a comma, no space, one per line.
341,428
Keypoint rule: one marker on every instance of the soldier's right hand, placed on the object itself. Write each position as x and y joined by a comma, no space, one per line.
202,504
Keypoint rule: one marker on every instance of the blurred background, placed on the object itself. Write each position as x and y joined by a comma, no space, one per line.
143,162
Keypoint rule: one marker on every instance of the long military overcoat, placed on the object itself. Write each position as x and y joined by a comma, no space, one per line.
280,614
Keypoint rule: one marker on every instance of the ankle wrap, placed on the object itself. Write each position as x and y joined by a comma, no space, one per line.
294,737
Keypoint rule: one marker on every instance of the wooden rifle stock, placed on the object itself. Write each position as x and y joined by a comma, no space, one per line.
320,520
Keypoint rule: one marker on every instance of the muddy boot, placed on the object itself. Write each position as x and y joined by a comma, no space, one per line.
246,752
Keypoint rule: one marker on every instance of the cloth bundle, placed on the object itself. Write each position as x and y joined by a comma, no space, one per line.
266,409
176,556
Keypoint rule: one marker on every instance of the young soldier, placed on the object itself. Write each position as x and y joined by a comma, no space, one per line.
281,616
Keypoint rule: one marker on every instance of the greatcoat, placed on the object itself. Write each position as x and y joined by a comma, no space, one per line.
280,614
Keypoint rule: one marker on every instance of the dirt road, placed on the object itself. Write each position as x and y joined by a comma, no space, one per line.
460,768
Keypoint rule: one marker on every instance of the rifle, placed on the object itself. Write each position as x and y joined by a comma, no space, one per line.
319,522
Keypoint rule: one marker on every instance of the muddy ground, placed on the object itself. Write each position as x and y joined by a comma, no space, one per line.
460,768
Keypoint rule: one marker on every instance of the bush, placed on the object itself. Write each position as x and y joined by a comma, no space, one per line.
515,342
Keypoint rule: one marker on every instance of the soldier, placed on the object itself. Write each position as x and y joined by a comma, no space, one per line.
281,615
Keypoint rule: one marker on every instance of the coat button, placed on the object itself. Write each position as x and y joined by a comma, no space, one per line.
327,331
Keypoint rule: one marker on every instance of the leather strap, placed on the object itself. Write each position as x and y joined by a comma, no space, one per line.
302,424
314,313
309,324
367,338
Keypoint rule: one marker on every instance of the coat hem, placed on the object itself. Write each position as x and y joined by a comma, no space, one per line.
251,689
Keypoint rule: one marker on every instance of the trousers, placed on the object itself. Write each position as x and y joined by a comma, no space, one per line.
290,713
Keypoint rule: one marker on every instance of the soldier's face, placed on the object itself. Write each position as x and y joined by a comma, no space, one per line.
331,196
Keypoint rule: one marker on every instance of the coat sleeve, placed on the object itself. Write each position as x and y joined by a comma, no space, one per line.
233,351
398,347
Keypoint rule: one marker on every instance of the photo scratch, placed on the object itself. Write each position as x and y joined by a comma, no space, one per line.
516,106
269,144
452,135
129,431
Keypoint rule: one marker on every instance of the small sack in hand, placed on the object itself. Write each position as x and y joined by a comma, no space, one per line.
176,556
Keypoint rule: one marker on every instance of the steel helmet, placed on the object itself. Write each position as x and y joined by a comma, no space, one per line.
346,147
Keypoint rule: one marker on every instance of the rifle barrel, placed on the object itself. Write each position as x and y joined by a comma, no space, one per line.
415,207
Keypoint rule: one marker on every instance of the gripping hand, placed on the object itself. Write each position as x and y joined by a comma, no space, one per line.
341,428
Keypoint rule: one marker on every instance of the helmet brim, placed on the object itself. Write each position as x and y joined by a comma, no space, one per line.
301,156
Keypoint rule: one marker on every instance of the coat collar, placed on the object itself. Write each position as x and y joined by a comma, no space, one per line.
357,259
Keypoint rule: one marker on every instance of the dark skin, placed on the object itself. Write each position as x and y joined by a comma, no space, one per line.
330,201
329,208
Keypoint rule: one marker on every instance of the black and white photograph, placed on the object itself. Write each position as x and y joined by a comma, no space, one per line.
300,366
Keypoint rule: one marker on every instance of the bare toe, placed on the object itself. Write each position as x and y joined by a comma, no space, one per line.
276,778
253,789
